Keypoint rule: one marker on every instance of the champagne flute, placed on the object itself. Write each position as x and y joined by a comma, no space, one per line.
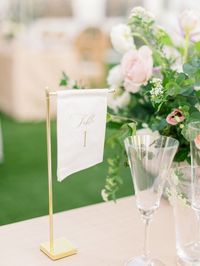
149,159
194,136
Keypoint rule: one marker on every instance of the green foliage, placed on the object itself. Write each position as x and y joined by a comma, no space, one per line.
125,128
64,80
168,89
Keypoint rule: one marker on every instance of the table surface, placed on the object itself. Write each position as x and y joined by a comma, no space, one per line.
106,234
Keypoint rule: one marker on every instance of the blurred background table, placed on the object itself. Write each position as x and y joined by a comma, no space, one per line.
106,234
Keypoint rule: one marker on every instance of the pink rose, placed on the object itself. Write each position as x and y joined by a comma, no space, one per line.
197,141
175,117
137,68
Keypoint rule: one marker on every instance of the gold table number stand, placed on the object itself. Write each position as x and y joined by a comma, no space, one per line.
58,248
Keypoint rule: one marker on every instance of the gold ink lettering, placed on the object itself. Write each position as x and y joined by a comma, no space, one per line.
85,139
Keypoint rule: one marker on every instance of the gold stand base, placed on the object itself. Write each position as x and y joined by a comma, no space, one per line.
62,248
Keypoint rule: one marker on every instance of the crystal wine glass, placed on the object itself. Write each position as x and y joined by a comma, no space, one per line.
194,136
149,159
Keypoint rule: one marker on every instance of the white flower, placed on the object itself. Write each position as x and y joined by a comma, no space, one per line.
157,89
121,38
156,82
118,99
178,67
115,76
104,195
142,13
189,20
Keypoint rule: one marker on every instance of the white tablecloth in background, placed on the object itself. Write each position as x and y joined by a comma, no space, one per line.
24,74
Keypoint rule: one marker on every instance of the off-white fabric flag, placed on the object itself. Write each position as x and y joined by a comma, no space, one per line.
81,124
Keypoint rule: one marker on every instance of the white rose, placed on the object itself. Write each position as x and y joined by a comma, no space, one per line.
189,20
121,38
115,76
118,99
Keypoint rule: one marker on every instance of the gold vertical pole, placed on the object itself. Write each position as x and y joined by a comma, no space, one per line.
48,131
59,248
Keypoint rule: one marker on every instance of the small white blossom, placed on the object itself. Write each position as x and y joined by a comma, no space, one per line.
157,89
121,38
196,88
156,82
144,125
142,13
115,76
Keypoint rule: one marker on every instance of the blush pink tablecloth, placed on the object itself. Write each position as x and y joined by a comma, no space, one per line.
106,234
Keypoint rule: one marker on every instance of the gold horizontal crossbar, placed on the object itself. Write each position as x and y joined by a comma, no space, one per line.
54,93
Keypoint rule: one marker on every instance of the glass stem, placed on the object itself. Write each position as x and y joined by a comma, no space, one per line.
146,233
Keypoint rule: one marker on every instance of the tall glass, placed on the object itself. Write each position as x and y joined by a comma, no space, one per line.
186,218
149,159
194,135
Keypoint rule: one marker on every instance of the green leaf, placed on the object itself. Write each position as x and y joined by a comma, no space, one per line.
163,37
195,116
181,155
189,69
197,46
172,88
108,117
64,80
181,77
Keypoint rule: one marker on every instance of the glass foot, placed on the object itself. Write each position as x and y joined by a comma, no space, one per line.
142,261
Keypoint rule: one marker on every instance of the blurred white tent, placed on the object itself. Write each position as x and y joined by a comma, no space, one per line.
90,12
54,37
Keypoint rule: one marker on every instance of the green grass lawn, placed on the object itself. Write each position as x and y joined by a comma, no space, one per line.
23,175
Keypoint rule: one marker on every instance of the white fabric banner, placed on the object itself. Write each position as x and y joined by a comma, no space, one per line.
81,124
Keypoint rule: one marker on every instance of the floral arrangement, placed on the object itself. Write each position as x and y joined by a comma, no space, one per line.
157,85
157,82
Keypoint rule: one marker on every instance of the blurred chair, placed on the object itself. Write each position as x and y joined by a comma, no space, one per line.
121,8
58,8
91,46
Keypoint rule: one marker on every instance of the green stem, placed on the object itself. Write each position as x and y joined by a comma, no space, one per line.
140,37
185,56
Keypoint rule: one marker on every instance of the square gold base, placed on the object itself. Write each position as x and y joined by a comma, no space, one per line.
62,248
